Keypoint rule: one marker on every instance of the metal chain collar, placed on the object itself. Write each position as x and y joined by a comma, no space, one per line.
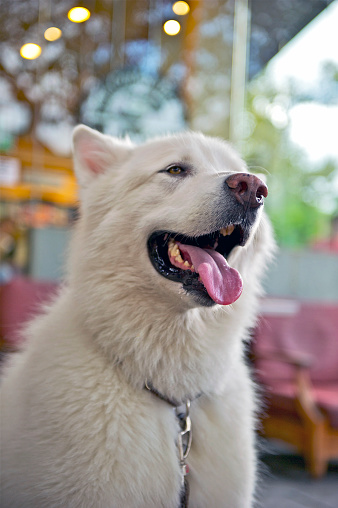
184,444
184,439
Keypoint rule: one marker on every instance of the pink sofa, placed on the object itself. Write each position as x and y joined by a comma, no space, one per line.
20,300
296,360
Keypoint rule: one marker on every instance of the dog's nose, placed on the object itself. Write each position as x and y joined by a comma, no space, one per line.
247,188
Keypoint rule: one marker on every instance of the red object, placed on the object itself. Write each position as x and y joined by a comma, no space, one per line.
20,300
295,351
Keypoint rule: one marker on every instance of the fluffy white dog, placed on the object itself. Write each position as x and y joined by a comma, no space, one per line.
162,287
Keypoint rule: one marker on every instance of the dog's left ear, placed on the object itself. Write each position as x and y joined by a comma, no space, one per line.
95,153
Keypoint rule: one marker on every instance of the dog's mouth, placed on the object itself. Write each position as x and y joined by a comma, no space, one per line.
199,263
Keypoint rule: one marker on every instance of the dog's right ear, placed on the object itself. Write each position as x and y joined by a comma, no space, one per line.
95,153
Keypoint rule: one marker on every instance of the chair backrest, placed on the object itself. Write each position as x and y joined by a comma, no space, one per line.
310,328
20,300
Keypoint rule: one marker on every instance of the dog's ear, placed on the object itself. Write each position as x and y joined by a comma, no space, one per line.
94,153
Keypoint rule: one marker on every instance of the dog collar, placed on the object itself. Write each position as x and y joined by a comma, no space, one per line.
172,402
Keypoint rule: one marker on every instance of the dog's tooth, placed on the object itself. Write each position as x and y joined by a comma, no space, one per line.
179,258
172,246
186,263
175,251
228,230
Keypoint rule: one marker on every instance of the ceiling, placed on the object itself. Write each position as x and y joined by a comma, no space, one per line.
274,23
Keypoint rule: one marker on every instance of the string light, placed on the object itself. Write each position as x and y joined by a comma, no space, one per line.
171,27
52,33
181,8
30,51
78,14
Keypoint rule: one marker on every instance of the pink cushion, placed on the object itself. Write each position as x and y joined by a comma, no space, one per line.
325,396
311,329
20,300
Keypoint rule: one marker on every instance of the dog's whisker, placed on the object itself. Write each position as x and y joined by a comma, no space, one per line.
259,169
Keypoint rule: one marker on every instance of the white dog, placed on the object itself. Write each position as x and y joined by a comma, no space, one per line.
162,287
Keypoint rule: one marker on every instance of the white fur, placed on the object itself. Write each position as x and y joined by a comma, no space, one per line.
78,429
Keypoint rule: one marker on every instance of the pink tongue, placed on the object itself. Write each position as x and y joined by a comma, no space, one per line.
223,283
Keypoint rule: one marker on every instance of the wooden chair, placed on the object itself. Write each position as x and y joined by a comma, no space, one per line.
295,352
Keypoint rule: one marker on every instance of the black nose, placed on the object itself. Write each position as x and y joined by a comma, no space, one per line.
248,189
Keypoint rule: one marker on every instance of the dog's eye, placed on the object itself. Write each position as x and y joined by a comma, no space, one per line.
175,170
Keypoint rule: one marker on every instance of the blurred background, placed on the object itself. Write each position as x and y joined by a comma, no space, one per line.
262,73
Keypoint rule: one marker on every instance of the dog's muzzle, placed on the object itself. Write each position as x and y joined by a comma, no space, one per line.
199,263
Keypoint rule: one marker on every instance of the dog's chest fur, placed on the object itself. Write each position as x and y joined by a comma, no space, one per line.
96,431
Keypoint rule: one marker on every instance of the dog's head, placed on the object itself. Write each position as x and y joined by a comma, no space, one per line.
174,217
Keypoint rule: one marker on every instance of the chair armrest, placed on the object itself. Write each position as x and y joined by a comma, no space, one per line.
294,358
305,402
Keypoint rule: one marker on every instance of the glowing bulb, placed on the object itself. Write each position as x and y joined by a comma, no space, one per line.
171,27
181,8
52,33
30,51
78,14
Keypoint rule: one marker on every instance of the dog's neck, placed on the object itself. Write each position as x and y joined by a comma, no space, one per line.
181,356
181,352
